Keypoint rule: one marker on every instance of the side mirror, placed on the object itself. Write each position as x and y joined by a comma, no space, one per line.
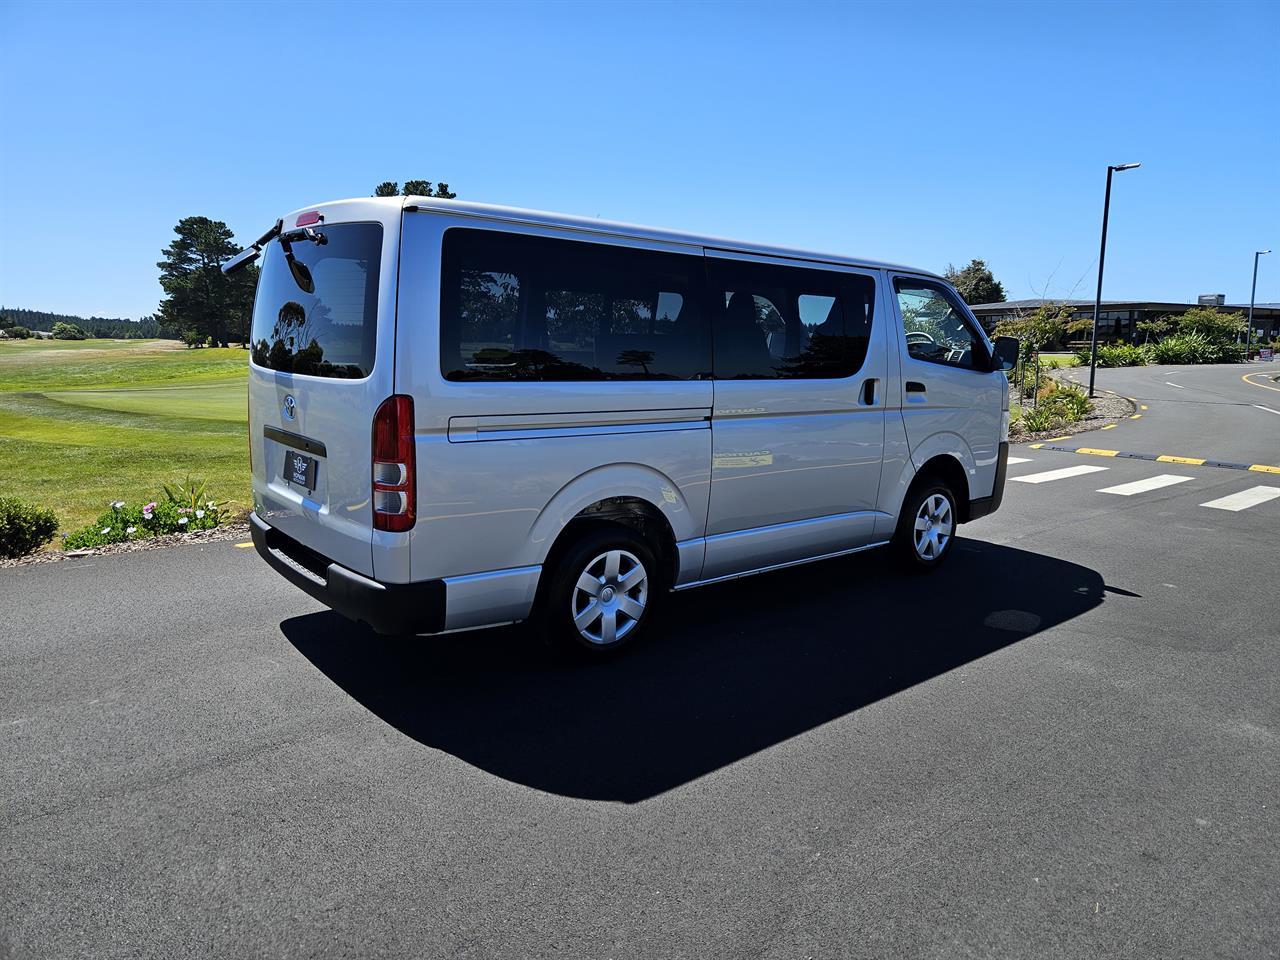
1004,353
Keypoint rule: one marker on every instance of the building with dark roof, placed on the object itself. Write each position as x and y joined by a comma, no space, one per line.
1118,319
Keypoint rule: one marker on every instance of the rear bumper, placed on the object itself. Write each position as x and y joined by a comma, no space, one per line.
985,505
391,608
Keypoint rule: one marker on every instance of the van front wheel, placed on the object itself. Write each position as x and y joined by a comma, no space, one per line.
603,592
926,526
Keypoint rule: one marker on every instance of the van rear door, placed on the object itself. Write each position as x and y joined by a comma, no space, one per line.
322,361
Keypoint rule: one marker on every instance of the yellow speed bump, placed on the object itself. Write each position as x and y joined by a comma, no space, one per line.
1263,468
241,546
1195,461
1095,452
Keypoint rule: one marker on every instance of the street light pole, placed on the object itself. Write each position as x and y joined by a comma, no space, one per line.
1102,259
1253,292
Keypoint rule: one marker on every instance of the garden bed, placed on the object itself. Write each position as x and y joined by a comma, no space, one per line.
237,530
1107,409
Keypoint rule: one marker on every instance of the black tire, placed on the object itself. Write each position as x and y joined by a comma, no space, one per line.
631,609
909,553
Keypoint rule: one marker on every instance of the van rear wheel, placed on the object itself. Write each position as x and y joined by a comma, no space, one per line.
603,593
926,526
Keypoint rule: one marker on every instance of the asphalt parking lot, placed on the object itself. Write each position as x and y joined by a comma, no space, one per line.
1064,744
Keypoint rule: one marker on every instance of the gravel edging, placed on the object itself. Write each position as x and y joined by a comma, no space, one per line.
228,531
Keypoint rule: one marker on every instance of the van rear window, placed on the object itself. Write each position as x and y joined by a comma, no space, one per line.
316,309
518,307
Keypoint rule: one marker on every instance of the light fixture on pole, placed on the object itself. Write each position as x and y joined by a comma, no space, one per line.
1253,292
1102,257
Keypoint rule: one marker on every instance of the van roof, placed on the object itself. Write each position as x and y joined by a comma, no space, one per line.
490,211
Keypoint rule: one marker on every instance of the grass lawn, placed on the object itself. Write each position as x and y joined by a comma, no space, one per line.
86,422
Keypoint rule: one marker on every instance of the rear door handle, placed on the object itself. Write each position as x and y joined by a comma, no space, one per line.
915,392
869,392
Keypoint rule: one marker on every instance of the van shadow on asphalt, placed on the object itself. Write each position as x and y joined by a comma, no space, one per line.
737,667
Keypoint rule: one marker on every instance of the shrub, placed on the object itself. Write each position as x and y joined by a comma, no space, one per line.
1073,403
1195,348
1116,355
122,523
1047,416
190,493
24,528
68,331
17,333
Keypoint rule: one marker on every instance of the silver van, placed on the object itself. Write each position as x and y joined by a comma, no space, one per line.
463,415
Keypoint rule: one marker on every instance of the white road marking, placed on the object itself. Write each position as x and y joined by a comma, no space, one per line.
1175,385
1061,474
1019,460
1142,486
1244,499
1268,409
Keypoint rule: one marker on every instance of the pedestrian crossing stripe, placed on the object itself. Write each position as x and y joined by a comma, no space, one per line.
1244,499
1146,485
1059,474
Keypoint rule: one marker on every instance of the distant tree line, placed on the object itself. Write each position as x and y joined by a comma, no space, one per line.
17,318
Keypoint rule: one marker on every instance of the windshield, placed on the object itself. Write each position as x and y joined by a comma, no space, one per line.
316,309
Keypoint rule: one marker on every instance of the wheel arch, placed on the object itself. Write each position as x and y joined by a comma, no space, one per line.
943,455
634,495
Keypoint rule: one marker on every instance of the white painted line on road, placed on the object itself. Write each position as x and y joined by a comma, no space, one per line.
1244,499
1268,409
1142,486
1019,459
1175,385
1061,474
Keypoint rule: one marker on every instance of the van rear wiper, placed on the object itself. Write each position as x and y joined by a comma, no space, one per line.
251,252
254,250
301,273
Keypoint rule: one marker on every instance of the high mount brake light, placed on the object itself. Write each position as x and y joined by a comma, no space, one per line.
307,219
394,466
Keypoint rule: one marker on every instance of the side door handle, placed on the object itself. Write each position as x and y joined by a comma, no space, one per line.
915,391
869,392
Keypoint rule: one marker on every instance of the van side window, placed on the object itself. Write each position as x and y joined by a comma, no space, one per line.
518,307
935,328
789,322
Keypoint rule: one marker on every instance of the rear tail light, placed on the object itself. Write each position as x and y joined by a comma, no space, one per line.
394,483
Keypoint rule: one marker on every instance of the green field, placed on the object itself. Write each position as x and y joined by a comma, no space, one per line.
83,423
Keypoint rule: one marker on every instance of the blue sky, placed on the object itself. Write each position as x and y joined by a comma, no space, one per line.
922,134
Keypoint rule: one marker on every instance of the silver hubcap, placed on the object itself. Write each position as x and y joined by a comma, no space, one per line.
934,523
610,596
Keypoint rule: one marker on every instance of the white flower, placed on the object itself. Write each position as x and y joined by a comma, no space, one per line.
210,504
130,529
117,504
106,529
182,520
199,514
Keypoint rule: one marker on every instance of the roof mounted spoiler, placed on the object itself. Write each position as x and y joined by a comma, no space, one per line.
252,252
